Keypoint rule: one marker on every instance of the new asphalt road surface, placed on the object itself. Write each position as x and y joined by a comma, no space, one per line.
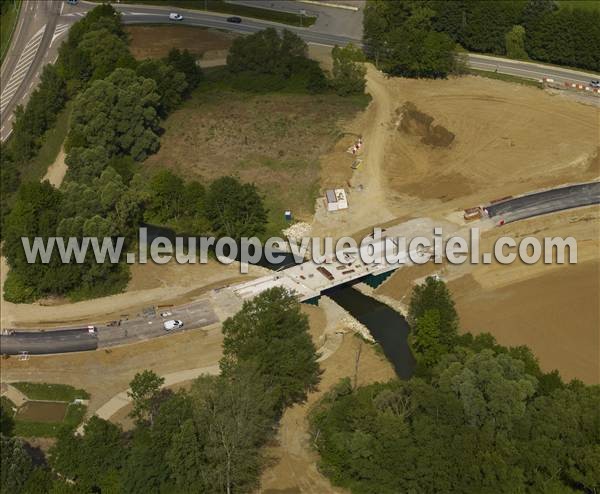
547,201
148,324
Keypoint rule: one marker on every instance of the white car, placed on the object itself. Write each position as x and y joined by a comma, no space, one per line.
173,324
175,16
595,83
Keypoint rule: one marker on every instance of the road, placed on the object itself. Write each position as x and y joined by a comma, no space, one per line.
28,53
41,26
547,201
145,326
529,70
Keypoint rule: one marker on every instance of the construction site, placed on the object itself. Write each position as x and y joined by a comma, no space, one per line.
424,153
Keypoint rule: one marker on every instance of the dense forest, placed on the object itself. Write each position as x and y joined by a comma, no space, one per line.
118,106
476,418
207,439
418,37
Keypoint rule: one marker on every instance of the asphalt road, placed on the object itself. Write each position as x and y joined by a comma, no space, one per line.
143,327
26,56
529,70
55,341
545,202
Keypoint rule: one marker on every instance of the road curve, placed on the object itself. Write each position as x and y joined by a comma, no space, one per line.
545,202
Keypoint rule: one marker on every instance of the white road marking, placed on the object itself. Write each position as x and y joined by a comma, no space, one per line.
21,69
59,31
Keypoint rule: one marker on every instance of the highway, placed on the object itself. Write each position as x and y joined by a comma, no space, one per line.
42,26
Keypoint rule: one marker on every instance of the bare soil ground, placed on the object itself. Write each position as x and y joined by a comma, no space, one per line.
554,309
57,170
508,139
157,41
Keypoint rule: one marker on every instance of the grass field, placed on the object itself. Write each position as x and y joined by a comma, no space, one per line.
233,9
155,41
579,4
45,391
505,77
25,426
7,24
52,142
274,140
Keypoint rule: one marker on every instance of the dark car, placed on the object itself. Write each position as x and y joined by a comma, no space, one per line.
235,20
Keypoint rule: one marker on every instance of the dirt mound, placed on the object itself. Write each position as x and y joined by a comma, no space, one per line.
417,123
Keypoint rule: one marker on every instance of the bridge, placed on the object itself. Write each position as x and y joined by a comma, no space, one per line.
310,279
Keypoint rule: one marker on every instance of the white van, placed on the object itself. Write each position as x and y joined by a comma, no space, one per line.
173,324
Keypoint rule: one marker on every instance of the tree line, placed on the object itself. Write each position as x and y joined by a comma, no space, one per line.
268,61
476,417
417,38
207,439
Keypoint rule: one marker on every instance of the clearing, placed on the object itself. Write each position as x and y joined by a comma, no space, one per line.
273,140
157,41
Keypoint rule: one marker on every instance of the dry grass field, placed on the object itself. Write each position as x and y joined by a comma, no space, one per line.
157,41
274,141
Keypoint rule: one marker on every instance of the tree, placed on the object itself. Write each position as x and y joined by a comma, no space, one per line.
85,163
426,338
515,43
145,388
234,209
217,450
147,468
34,214
118,114
434,295
268,61
93,460
7,423
399,35
493,389
271,333
171,84
348,73
16,465
105,52
165,201
185,62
